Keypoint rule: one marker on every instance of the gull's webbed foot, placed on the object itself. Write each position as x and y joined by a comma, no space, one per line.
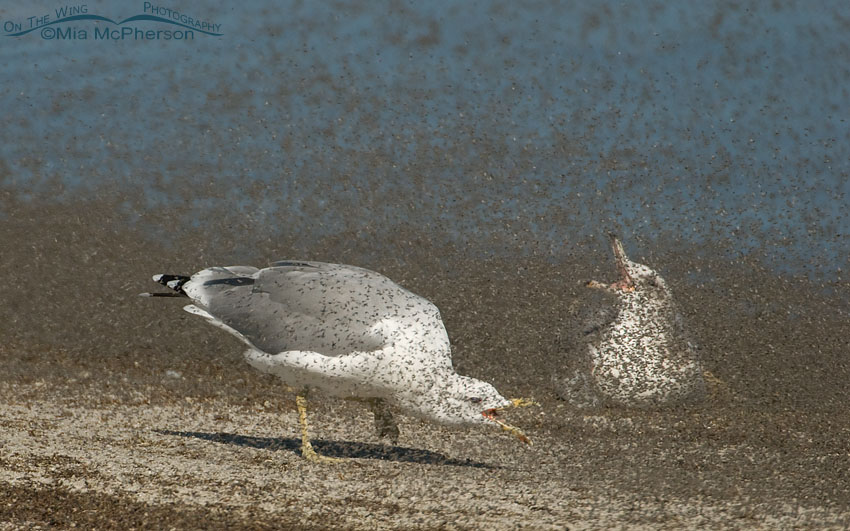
308,453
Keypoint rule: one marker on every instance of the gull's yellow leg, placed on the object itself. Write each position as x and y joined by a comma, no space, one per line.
385,424
307,451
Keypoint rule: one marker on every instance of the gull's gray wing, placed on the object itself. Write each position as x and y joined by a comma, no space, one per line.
331,309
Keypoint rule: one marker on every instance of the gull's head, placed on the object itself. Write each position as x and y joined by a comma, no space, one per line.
634,278
461,400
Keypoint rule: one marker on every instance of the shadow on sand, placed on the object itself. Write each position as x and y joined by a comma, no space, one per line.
340,449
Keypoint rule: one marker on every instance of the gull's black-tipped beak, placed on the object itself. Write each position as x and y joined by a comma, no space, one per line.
625,282
619,252
490,414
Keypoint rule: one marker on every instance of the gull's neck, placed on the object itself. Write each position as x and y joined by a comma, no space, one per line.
639,307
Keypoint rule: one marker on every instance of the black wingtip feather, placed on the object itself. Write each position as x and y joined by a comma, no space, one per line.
174,282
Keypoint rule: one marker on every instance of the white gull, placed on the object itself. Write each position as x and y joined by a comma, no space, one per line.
348,332
641,357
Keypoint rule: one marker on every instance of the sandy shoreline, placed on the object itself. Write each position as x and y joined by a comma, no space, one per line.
121,414
68,460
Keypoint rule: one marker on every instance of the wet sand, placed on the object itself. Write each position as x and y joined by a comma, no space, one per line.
124,412
138,457
181,433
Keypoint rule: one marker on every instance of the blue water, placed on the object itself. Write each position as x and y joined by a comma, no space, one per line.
469,119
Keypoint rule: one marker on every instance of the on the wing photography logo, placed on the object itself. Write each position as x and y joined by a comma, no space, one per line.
76,23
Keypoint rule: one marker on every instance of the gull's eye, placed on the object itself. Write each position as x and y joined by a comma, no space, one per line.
475,399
